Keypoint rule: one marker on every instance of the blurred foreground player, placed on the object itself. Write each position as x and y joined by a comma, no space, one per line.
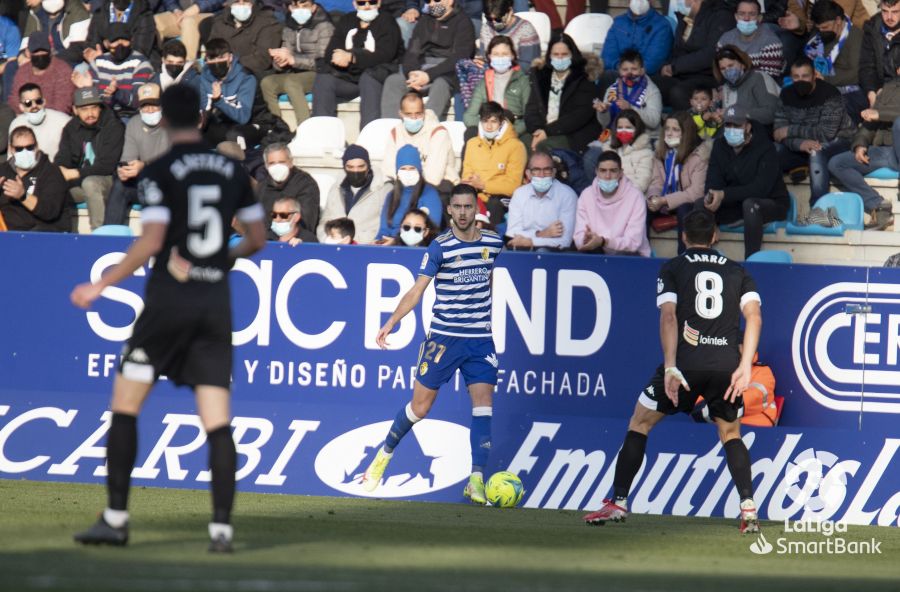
701,295
189,196
460,261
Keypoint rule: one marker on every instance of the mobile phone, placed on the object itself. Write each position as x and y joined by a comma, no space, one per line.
123,163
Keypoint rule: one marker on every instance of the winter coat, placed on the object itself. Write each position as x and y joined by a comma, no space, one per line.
515,98
252,41
872,56
821,116
691,181
141,29
500,164
695,55
107,138
576,112
53,212
637,160
754,172
307,42
376,49
435,149
450,40
429,201
650,34
365,212
754,91
879,133
301,186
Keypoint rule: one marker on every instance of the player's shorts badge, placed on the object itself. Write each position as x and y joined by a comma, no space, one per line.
423,368
485,254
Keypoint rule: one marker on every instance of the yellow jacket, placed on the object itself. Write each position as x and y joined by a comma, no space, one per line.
499,164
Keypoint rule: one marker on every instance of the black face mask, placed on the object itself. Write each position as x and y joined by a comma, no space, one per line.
41,62
174,71
121,5
803,88
357,178
827,36
121,53
218,69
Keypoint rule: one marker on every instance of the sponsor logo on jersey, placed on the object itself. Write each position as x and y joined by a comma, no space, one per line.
693,337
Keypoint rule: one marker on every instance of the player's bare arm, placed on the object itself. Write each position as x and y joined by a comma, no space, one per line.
146,246
740,379
253,240
409,301
668,335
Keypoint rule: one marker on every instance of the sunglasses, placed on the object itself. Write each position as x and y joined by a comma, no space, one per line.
408,227
432,1
29,102
367,2
282,215
28,147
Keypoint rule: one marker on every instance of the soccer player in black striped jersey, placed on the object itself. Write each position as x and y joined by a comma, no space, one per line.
190,196
701,295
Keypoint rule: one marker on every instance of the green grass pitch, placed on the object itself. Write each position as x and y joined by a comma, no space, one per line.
322,544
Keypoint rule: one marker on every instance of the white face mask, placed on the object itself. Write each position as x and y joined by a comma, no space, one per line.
36,118
673,142
53,6
241,12
26,159
330,240
411,238
408,178
281,228
367,16
639,7
151,119
279,172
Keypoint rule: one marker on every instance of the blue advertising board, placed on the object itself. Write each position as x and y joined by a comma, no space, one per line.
577,340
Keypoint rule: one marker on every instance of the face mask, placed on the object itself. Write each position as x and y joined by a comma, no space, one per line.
281,228
488,135
174,71
279,172
625,136
40,62
26,159
561,64
330,240
673,142
411,238
151,119
631,80
682,8
734,136
413,126
542,184
357,178
36,118
367,16
498,25
803,88
747,27
501,65
218,69
438,10
732,74
639,7
608,185
121,53
121,5
53,6
241,12
827,36
301,16
408,178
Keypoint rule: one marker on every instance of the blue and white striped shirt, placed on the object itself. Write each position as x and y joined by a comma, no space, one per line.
462,282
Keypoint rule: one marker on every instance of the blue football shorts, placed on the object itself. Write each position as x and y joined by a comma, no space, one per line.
441,355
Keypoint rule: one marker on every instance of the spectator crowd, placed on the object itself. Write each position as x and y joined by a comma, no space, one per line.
567,149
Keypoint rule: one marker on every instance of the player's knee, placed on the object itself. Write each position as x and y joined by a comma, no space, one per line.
421,408
729,431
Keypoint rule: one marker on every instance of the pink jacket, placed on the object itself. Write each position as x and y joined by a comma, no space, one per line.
621,219
692,181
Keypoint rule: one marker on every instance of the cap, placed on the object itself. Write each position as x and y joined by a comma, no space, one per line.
117,31
39,41
148,94
87,96
736,114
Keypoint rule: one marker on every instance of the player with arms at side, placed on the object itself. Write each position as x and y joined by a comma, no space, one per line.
701,294
190,196
460,261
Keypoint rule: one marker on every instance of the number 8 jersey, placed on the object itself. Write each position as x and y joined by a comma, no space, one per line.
196,192
708,290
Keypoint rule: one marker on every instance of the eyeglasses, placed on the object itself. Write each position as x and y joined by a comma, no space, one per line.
282,215
408,227
29,102
432,1
28,147
541,172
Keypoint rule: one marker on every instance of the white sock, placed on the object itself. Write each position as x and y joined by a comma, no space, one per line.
217,528
748,504
115,518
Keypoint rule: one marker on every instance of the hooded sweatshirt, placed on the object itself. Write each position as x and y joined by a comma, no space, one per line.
755,91
428,200
93,150
238,91
621,219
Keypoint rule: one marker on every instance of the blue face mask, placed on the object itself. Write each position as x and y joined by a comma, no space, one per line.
732,74
561,64
301,15
542,184
734,136
413,126
501,65
747,27
608,185
241,12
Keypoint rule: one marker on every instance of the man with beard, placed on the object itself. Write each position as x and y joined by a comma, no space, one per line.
52,74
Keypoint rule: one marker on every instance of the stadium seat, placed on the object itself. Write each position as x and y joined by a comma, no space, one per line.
884,174
849,208
374,136
541,23
457,131
318,136
113,230
325,183
771,227
589,32
774,256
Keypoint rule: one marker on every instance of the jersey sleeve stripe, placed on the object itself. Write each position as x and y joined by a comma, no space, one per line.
666,297
155,214
253,213
750,297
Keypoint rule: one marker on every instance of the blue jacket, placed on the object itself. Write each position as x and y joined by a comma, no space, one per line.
9,38
650,34
238,90
429,200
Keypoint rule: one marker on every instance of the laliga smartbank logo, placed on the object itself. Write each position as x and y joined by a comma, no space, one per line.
846,347
820,538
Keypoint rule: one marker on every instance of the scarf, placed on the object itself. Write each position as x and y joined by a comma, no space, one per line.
815,50
634,94
673,174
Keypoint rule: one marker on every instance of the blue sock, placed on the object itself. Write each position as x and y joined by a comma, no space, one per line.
480,437
402,424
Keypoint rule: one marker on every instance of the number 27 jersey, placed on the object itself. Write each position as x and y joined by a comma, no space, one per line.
708,290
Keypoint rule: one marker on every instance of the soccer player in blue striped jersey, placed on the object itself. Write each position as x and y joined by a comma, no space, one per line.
460,262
